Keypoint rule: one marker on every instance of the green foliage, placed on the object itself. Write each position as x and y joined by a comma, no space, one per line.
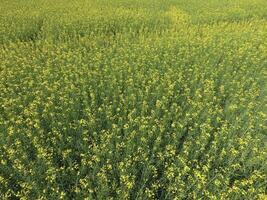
133,99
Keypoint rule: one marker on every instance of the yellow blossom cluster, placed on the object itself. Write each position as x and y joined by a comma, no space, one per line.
135,99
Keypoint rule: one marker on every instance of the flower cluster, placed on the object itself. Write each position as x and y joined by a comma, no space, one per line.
125,100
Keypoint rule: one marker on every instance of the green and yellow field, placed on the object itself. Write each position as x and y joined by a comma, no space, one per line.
133,99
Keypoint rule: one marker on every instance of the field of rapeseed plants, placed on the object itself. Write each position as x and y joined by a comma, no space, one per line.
133,99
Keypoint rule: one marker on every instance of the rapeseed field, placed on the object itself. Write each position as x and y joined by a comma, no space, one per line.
133,99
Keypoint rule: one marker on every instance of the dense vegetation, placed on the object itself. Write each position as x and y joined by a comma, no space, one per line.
131,99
